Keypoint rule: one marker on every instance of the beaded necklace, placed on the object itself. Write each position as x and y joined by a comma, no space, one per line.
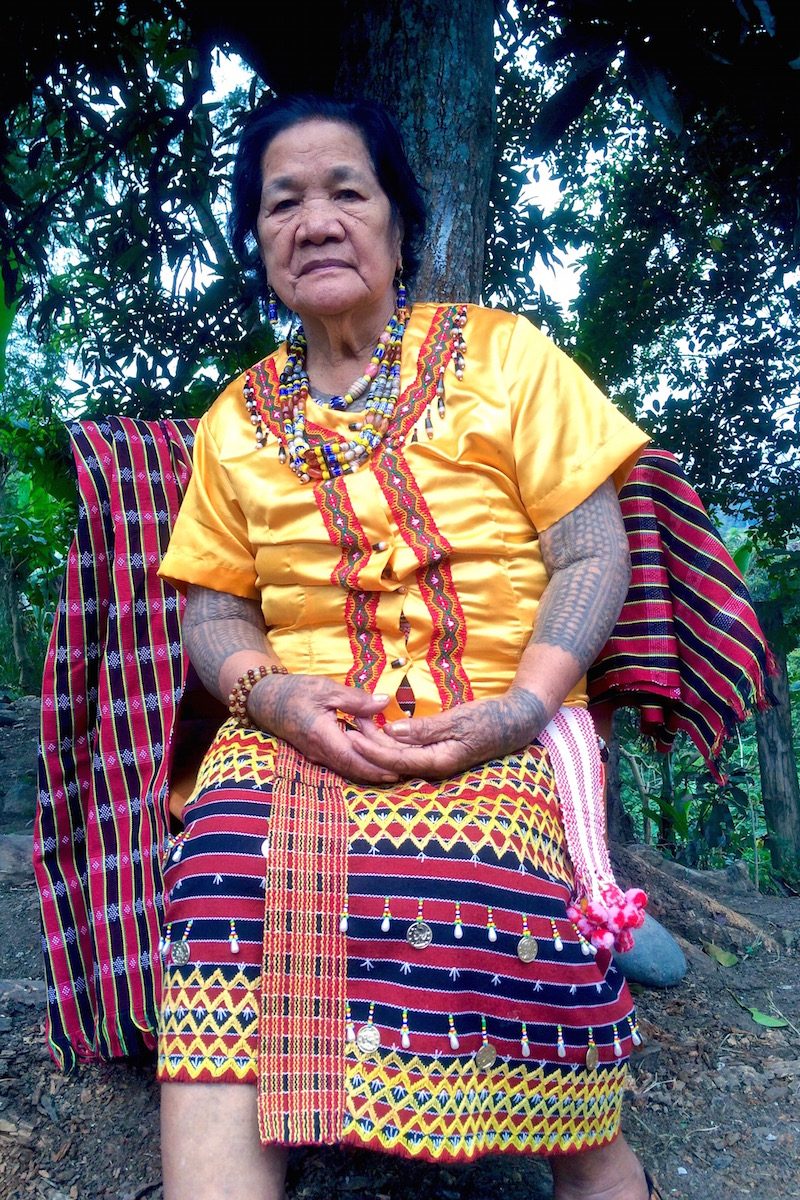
325,459
314,457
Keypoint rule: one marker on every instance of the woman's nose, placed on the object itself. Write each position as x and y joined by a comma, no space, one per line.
319,222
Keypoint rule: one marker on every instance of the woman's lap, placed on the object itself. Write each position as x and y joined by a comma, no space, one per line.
424,993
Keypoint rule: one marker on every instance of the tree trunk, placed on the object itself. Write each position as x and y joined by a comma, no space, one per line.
431,65
438,78
29,671
780,789
618,821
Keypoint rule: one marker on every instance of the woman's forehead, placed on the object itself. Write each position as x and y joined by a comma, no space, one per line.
316,146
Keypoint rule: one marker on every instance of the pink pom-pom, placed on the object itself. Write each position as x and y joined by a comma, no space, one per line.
602,939
624,941
637,897
596,912
617,919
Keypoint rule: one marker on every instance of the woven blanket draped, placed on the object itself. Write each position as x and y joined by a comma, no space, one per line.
687,650
115,674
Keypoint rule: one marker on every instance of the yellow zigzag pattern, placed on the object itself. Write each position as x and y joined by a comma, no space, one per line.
237,755
207,1026
491,807
450,1109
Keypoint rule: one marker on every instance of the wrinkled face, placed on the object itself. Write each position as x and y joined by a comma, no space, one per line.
326,233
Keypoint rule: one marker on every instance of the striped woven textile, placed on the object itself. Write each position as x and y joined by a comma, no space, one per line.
687,650
113,676
115,673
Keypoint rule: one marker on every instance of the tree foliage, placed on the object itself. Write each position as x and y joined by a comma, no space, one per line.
115,185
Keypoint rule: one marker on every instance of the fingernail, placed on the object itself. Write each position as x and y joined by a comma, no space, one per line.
401,728
381,697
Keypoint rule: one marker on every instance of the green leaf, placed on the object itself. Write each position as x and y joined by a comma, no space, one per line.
742,556
650,85
769,1022
725,958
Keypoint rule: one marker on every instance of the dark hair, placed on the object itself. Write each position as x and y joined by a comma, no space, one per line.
384,144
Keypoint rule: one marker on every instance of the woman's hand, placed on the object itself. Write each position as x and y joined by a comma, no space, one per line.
225,635
302,710
447,743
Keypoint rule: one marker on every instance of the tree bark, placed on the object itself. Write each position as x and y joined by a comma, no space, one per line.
437,75
29,670
780,788
431,65
618,821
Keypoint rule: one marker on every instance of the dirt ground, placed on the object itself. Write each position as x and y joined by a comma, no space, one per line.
712,1107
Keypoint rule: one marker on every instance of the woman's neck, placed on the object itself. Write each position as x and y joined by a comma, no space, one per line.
339,348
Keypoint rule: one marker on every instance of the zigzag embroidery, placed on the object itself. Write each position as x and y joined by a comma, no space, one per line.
490,807
207,1026
449,1109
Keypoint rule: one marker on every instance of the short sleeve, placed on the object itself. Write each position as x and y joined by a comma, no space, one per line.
568,437
210,544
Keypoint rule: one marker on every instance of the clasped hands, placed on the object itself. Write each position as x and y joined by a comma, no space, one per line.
304,710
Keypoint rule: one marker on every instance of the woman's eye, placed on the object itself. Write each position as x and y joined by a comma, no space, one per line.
348,194
284,205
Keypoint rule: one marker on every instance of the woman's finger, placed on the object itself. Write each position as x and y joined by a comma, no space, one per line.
422,731
335,749
430,762
358,702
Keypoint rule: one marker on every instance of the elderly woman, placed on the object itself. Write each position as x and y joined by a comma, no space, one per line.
402,548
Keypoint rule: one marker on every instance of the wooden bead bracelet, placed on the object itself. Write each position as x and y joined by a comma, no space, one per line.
240,692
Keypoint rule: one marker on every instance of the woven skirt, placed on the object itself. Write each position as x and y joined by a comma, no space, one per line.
392,967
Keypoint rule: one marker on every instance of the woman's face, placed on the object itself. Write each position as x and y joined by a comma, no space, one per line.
326,233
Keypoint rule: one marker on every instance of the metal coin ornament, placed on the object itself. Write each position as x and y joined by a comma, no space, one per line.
486,1057
180,953
368,1039
527,948
419,935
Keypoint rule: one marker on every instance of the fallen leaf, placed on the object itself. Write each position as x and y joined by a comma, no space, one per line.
725,958
762,1018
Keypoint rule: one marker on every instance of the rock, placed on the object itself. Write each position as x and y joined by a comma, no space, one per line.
19,800
16,857
22,993
656,959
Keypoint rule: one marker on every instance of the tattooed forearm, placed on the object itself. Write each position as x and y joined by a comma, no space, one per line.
215,626
586,556
506,724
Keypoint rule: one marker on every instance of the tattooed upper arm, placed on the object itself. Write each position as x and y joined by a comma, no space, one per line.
216,625
586,556
203,604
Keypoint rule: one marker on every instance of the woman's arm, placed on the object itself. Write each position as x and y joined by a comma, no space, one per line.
225,636
586,556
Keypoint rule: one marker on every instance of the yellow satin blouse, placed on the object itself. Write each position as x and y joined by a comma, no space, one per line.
423,567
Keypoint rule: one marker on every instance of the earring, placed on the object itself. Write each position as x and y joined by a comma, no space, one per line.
272,305
402,295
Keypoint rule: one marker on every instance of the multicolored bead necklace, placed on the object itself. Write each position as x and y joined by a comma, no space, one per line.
324,459
312,456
